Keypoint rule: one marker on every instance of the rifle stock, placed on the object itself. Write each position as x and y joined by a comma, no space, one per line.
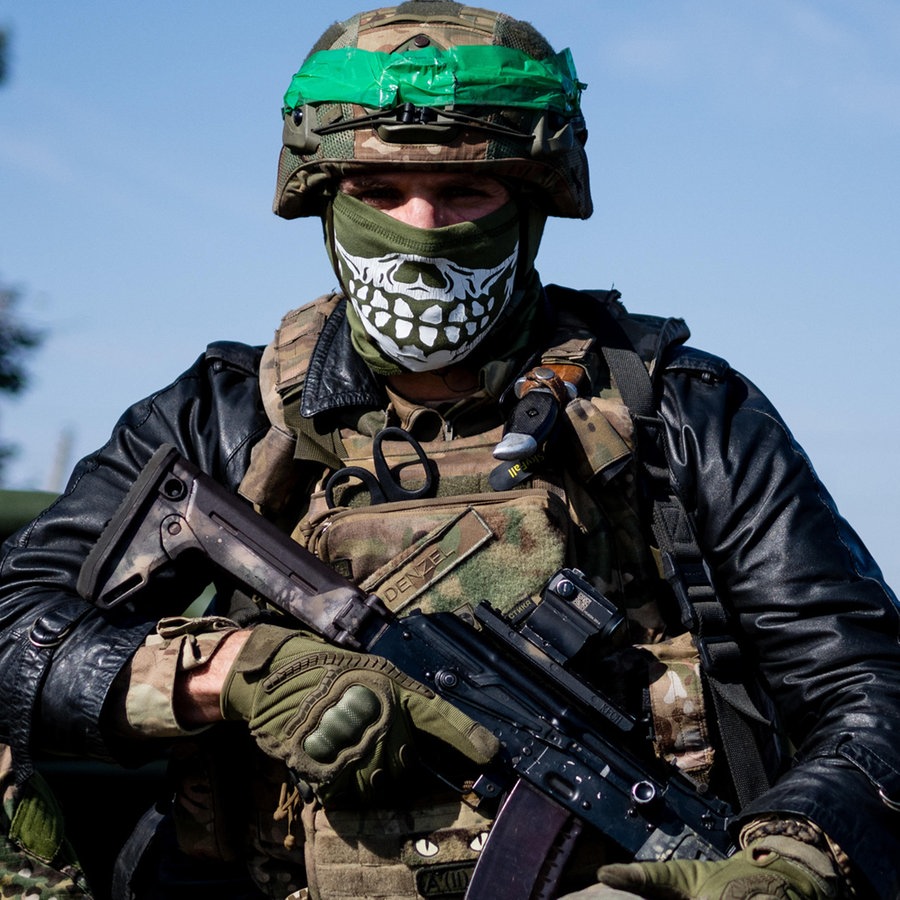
559,734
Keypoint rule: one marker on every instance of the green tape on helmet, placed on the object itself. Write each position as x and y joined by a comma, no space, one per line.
435,86
460,76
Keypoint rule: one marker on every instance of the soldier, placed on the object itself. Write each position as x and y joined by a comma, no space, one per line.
432,140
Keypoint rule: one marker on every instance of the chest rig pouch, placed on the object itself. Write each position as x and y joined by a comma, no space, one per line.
441,553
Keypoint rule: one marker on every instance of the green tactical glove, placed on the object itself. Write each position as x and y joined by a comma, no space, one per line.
771,868
343,721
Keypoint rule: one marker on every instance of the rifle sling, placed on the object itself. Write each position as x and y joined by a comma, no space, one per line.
702,610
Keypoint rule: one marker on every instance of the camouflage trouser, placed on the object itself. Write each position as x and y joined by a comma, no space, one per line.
23,875
29,814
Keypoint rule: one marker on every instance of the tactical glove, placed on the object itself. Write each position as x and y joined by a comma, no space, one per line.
772,868
344,722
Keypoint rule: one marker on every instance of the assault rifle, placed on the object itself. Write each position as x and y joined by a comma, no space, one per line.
565,761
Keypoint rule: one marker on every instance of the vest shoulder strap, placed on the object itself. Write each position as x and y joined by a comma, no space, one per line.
292,350
295,341
272,474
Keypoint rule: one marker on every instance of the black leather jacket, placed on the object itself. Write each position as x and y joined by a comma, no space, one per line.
822,625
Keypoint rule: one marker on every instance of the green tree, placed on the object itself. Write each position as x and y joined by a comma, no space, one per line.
4,46
17,340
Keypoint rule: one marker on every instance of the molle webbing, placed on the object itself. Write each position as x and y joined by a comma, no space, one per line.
422,851
295,340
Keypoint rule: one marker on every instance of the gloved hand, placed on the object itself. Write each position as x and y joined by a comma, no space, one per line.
344,722
771,868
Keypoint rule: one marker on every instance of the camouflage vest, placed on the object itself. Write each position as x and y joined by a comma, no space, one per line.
468,543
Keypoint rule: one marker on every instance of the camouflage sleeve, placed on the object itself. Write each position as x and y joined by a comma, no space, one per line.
142,705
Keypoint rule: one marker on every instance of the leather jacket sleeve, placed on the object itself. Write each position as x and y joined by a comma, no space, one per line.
58,655
813,610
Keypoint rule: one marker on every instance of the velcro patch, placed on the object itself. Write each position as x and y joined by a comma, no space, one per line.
446,881
433,557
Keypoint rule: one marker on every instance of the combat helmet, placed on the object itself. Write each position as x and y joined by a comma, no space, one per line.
439,85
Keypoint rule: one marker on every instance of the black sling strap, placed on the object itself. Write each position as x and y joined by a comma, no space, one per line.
702,611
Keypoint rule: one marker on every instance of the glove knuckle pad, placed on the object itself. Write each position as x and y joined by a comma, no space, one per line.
343,724
343,718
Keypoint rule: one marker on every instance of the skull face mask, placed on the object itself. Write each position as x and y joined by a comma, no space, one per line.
421,298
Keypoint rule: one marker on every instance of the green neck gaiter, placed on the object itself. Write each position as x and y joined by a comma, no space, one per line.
423,298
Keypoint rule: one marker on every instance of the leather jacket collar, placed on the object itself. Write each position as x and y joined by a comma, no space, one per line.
337,376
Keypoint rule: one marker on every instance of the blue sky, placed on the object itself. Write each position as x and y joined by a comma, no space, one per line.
745,174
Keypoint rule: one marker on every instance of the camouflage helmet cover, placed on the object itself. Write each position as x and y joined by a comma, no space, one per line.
542,149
